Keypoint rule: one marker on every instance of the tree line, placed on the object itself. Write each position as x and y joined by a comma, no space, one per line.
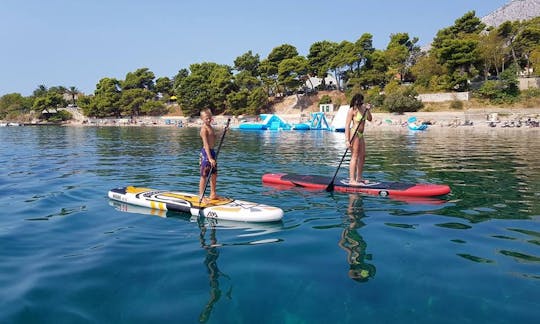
460,56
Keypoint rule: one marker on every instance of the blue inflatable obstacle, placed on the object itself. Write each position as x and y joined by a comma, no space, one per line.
317,122
413,124
268,122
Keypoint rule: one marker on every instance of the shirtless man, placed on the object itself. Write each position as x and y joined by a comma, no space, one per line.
207,157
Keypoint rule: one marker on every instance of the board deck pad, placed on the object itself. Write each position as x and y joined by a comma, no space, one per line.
221,208
383,188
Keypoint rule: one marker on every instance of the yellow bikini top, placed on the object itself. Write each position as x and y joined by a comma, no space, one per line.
359,117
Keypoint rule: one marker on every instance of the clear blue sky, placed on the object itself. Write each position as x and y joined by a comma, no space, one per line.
78,42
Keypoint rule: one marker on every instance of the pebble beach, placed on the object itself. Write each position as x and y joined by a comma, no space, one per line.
476,118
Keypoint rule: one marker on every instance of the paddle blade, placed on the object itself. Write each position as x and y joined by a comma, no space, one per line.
330,187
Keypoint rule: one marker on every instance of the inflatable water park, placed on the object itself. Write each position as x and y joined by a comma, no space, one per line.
317,121
415,125
338,123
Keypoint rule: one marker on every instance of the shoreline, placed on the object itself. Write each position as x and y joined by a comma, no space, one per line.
476,118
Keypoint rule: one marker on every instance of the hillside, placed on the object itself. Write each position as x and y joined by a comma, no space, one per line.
289,105
304,103
514,10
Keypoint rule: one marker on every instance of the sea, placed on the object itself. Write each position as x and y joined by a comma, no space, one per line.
68,254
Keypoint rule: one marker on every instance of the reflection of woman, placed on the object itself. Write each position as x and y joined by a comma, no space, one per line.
354,244
212,254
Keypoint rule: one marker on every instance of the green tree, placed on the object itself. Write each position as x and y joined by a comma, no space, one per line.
154,108
400,99
427,72
207,86
246,80
358,61
61,90
132,100
342,61
140,79
73,92
527,40
535,60
237,102
51,100
105,102
320,54
13,105
164,85
292,72
257,100
492,52
269,67
401,54
248,62
363,48
505,90
509,31
455,47
178,78
374,72
40,91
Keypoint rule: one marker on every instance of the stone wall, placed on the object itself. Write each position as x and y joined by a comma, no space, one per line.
444,96
528,83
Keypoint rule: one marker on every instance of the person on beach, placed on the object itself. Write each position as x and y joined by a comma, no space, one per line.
207,157
356,119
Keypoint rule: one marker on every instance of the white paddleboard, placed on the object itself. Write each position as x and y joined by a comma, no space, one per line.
222,208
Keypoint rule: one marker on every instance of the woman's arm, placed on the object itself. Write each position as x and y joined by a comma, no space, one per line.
367,112
348,121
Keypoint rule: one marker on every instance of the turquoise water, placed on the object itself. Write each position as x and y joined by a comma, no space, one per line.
69,255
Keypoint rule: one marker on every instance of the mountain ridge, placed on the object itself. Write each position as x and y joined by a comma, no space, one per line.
513,11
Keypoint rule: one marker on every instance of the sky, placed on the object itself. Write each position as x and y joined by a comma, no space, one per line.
79,42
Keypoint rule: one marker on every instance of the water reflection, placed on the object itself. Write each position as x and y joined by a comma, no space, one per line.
212,254
354,245
245,232
208,239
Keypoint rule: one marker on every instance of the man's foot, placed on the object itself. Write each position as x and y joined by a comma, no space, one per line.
206,200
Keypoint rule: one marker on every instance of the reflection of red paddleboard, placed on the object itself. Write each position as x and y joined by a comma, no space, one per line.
393,189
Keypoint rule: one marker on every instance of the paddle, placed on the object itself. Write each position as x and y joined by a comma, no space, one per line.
330,186
212,167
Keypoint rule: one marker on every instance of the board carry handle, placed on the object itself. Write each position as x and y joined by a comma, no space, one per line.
217,153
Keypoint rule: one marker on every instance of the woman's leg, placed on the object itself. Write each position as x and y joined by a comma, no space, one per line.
361,159
353,167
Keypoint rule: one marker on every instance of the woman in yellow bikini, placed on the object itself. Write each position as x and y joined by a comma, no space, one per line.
356,117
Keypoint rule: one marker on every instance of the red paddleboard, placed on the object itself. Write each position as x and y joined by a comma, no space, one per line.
385,188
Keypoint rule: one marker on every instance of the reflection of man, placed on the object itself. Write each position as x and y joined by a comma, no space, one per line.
354,244
212,254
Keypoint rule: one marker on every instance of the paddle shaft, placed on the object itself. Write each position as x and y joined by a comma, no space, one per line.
212,167
330,186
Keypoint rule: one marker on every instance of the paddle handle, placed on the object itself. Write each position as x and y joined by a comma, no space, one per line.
217,153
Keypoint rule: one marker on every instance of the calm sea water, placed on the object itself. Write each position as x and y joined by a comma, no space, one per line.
69,255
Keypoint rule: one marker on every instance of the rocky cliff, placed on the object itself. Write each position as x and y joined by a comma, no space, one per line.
514,10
